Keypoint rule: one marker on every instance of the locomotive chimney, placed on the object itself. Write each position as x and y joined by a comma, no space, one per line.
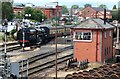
104,16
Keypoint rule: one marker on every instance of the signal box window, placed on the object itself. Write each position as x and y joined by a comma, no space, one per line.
83,36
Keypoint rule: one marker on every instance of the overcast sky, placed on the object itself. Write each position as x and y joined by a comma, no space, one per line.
69,3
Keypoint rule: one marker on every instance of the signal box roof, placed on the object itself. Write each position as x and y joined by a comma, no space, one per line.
94,24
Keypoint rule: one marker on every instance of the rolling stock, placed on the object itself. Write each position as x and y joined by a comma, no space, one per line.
41,34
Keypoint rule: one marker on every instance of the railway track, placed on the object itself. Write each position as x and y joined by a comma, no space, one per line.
9,44
44,55
10,47
46,64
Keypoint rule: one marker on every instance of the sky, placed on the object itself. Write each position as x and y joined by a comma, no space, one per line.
69,3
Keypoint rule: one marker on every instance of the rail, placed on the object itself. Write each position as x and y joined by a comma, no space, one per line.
43,56
9,44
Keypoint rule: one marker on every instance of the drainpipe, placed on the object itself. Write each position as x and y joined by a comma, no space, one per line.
101,51
96,46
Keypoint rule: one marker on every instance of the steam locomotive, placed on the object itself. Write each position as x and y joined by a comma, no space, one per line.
40,34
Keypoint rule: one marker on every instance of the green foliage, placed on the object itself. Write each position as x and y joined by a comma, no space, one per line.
7,11
44,17
86,5
55,24
1,36
114,7
18,16
114,15
68,23
75,6
103,6
8,37
13,32
64,9
33,20
28,10
36,14
119,14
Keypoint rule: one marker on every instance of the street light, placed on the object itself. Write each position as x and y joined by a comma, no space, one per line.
26,15
56,2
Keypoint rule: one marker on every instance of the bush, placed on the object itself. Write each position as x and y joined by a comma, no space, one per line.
13,32
68,23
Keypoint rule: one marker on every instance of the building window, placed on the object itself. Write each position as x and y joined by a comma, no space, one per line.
83,36
105,34
105,51
110,34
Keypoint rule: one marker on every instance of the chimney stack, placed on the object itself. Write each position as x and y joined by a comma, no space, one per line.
104,16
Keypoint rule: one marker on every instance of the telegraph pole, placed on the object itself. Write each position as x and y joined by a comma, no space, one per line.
57,21
56,40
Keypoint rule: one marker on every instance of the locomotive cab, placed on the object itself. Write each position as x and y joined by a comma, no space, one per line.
42,33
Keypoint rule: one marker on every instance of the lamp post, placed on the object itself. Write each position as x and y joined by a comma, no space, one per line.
23,36
25,16
54,1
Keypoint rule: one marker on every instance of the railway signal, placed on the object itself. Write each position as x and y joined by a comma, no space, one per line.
6,62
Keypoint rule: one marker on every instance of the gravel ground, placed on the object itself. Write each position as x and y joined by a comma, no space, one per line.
63,73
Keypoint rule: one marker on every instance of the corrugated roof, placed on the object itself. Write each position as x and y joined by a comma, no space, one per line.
94,24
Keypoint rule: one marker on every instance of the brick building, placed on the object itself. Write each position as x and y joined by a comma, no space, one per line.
94,12
93,40
18,10
50,12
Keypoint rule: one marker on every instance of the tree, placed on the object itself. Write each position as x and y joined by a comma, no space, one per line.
7,11
86,5
28,10
64,9
114,7
103,6
36,14
114,15
118,14
75,6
